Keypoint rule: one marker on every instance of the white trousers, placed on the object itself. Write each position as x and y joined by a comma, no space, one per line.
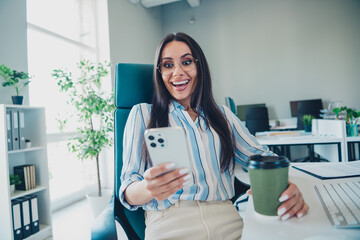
195,220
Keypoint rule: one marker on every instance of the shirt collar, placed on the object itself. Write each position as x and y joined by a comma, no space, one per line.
174,105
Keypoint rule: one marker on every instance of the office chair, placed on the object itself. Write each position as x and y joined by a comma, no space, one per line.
229,102
257,119
133,85
309,107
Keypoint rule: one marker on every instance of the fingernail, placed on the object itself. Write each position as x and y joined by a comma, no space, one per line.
283,198
281,211
285,217
187,177
299,215
170,166
183,171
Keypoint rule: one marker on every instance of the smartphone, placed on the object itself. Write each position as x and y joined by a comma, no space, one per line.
168,144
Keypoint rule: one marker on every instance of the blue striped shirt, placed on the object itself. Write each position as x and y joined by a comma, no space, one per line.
205,147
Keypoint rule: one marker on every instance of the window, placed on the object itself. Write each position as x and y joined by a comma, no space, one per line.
60,34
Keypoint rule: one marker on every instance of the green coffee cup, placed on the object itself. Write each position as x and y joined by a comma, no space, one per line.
268,179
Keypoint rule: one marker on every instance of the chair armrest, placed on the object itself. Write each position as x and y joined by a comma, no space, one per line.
104,226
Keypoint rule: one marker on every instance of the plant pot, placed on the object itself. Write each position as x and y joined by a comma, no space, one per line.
12,189
18,100
28,144
98,204
307,128
352,130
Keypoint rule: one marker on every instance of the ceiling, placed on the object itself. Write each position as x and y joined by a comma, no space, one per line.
155,3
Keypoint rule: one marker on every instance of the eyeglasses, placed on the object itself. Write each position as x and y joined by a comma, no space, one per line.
167,66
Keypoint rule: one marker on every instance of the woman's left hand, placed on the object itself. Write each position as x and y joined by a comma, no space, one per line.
293,203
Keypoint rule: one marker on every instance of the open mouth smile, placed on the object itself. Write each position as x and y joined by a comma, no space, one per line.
180,84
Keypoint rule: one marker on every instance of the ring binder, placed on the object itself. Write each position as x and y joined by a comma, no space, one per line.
9,129
16,219
22,144
34,214
25,216
15,130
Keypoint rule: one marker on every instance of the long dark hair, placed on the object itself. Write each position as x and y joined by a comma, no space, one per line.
202,98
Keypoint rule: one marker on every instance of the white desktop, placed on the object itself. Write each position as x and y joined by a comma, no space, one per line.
315,225
328,136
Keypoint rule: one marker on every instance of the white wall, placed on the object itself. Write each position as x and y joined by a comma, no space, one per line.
13,47
276,51
134,34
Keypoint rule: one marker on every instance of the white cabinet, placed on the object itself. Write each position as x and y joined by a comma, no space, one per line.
34,130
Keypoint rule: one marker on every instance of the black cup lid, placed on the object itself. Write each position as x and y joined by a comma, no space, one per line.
267,162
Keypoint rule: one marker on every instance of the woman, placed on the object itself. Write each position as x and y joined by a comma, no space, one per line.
183,97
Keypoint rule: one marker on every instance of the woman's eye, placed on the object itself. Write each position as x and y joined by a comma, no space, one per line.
168,65
187,62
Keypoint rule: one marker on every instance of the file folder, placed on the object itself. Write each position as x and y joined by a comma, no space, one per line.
33,175
16,219
25,217
34,214
21,121
21,171
15,130
27,175
8,129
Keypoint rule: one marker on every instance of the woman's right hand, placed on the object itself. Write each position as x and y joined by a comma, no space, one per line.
162,181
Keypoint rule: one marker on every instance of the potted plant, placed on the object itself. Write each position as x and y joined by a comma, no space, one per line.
16,79
94,110
307,120
14,179
351,117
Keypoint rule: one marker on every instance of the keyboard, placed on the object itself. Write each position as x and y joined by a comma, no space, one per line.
341,202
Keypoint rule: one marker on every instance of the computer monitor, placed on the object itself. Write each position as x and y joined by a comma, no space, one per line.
315,103
305,107
241,109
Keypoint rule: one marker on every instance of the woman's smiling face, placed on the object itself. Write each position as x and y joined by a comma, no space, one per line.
176,56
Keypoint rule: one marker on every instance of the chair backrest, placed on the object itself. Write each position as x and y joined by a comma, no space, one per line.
229,102
257,119
133,85
241,109
308,107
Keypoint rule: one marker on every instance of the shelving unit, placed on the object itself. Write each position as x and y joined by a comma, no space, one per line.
353,151
35,130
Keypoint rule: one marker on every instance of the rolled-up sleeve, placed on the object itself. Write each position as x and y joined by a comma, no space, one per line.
245,144
133,167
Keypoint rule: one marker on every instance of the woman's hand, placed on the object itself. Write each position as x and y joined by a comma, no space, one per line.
161,181
293,203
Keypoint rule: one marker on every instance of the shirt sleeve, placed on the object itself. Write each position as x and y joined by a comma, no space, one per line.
133,166
245,144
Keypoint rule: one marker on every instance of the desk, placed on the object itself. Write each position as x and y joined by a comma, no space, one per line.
313,226
351,141
298,138
284,128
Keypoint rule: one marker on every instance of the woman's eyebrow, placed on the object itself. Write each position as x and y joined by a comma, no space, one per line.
186,54
170,58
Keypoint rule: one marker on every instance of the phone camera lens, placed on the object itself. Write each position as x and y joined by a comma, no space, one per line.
153,145
160,140
151,137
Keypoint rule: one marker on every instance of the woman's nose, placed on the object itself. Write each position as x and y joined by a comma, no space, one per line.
178,70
